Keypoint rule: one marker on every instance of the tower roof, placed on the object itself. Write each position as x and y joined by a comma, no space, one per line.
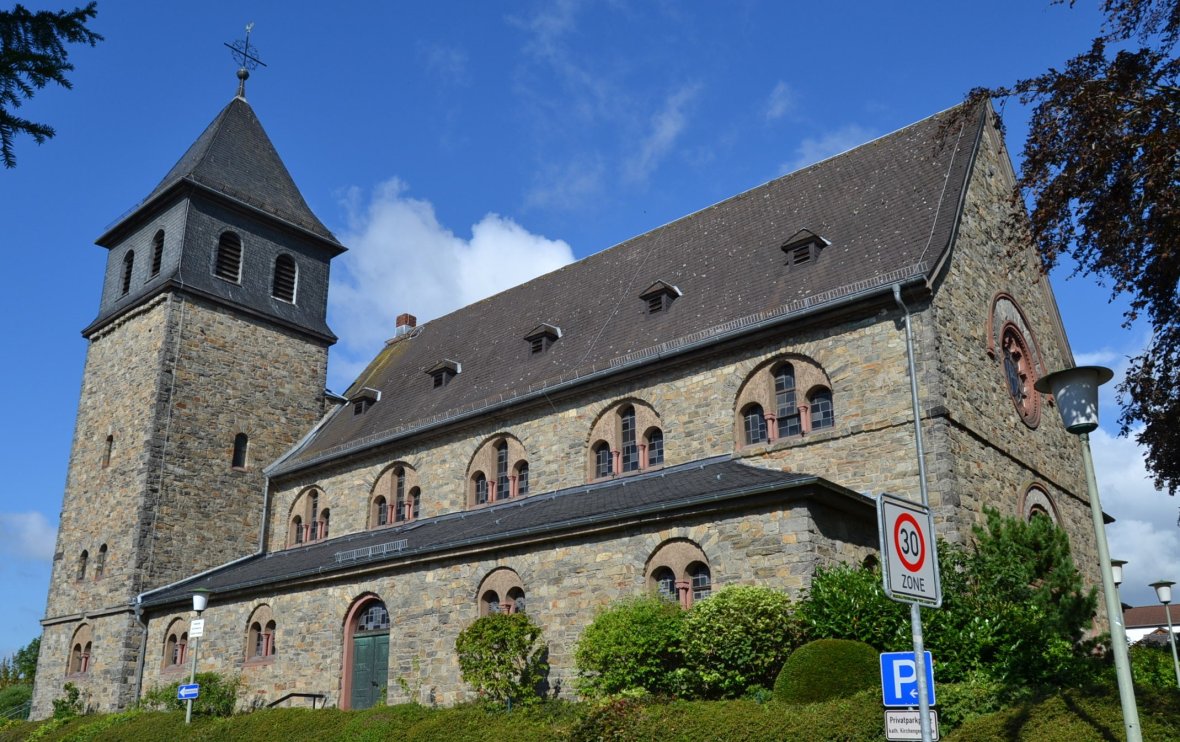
235,157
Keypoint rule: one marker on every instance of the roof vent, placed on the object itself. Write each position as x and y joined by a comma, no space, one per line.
541,337
659,296
804,247
444,371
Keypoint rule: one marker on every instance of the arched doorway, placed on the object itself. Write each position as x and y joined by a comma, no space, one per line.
366,647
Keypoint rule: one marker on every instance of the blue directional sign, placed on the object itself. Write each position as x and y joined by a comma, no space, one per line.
899,679
188,691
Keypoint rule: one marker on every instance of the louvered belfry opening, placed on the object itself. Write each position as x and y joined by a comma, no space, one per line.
283,285
157,252
128,267
229,257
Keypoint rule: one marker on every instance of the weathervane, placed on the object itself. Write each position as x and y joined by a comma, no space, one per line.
247,57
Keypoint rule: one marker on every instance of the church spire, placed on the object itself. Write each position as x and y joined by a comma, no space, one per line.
247,58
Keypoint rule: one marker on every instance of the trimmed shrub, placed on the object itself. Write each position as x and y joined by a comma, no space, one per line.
739,638
633,645
503,658
847,602
827,669
1153,667
219,696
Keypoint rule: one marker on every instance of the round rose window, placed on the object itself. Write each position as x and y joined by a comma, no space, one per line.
1019,375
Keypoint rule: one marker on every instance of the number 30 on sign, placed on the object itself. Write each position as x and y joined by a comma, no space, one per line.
910,557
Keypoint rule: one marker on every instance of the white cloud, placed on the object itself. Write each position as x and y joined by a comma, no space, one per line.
401,259
814,149
666,127
27,536
570,186
780,101
1145,532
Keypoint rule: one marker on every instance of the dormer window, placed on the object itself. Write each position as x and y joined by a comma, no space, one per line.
443,371
364,399
542,337
659,296
803,247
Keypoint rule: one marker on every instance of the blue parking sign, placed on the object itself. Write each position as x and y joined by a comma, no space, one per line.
899,679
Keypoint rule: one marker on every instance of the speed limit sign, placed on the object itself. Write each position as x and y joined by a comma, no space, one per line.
911,559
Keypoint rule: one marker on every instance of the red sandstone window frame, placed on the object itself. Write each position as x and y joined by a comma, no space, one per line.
777,384
616,447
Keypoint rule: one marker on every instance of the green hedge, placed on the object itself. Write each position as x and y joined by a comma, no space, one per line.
827,669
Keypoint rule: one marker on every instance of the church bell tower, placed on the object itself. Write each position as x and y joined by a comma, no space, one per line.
206,361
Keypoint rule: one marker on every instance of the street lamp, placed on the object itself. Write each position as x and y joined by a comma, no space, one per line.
1116,571
200,603
1163,591
1076,392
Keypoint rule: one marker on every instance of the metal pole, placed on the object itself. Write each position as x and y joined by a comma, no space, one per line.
920,668
1172,639
1114,611
192,677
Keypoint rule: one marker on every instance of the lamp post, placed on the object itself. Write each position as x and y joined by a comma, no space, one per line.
1116,571
200,602
1076,393
1163,591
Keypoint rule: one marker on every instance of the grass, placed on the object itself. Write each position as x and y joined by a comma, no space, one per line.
1071,715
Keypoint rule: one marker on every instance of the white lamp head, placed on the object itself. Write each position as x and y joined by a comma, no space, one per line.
1163,590
1076,392
200,600
1116,570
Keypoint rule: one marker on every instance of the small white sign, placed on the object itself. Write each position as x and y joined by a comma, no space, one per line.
196,629
907,543
907,725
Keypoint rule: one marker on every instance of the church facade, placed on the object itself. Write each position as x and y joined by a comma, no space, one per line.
711,403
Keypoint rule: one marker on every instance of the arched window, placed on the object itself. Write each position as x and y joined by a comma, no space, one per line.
415,505
395,496
260,635
630,451
83,558
789,422
522,478
399,511
602,460
495,471
157,253
79,659
241,445
228,265
308,519
655,447
128,267
679,569
382,513
665,582
107,451
175,644
754,424
503,488
100,562
1037,502
771,405
501,591
822,415
282,285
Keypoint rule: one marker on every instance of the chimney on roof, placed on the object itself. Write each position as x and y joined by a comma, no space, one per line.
405,323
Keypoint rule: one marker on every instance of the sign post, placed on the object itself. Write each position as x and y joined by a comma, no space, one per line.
911,576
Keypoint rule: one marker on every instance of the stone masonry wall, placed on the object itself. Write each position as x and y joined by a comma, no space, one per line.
565,583
994,455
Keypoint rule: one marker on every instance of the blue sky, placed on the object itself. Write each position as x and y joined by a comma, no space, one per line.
461,148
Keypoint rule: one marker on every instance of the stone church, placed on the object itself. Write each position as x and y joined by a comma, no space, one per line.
712,403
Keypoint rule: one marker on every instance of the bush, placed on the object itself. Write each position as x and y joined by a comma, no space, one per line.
739,638
827,669
847,602
502,656
219,696
1152,666
633,645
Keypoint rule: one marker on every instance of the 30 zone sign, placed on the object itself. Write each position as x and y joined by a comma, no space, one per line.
907,541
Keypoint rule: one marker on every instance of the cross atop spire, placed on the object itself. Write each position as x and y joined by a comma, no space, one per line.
246,57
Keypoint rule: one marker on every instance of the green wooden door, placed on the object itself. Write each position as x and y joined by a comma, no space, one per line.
370,669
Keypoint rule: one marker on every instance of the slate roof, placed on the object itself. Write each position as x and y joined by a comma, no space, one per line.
888,208
649,496
235,157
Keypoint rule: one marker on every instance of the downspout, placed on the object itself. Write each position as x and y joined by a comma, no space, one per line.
909,349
